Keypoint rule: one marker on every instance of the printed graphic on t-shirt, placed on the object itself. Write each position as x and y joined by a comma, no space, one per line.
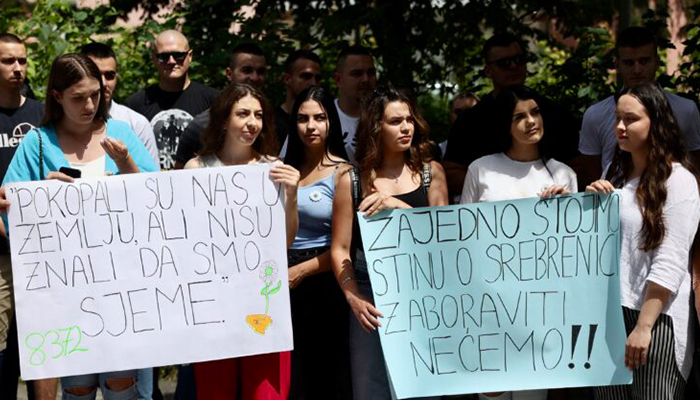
168,125
9,140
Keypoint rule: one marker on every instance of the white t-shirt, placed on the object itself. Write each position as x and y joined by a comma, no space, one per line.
138,124
496,177
349,125
668,265
598,129
91,169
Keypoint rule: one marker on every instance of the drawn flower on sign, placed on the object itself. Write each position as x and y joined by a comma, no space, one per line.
268,271
268,274
315,196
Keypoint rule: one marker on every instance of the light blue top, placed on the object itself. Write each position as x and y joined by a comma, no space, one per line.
315,205
24,166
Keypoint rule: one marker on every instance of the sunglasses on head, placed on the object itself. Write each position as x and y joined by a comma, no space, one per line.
505,63
178,56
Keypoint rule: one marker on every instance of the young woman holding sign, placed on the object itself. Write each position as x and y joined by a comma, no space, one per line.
241,132
320,360
76,134
522,169
394,171
659,214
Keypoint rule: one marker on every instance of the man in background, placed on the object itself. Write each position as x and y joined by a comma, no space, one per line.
171,104
246,65
356,77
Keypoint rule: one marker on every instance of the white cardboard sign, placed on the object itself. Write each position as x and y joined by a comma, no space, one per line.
141,270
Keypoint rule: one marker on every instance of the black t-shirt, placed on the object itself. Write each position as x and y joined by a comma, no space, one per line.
282,125
14,124
170,113
190,141
472,137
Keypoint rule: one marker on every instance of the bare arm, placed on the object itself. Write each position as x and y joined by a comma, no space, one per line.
437,194
288,176
343,212
313,266
637,347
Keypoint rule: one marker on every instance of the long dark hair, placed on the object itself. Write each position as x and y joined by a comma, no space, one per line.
66,71
334,134
505,106
666,146
214,134
369,135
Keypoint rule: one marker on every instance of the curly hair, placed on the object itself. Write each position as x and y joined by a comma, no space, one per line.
369,152
214,134
666,146
334,136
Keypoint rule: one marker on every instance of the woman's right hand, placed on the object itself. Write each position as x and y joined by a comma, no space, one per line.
365,312
4,203
601,186
60,176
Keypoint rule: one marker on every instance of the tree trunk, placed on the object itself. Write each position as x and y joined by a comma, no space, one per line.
625,18
676,21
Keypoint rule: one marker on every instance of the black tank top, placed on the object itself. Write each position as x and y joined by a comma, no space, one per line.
416,198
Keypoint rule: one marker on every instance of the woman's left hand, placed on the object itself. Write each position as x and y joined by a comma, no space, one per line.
637,347
377,202
288,176
296,274
115,149
553,191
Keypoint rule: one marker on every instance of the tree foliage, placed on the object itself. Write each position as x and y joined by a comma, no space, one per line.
430,46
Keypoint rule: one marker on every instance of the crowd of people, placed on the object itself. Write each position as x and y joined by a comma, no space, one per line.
369,150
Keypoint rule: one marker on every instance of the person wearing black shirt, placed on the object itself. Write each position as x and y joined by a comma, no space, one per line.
302,70
18,114
171,104
471,135
246,65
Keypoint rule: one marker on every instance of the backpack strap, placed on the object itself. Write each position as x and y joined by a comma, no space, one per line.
427,177
355,187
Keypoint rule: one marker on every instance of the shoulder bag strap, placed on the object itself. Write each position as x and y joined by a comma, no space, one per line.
427,177
41,155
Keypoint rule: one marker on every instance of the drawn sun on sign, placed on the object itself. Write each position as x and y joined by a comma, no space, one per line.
268,274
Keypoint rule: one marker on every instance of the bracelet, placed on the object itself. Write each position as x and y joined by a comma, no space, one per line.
346,280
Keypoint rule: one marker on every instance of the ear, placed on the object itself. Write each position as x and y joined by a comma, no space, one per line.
286,78
189,55
58,96
336,77
487,71
229,74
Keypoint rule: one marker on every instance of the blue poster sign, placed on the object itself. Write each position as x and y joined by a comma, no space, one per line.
490,297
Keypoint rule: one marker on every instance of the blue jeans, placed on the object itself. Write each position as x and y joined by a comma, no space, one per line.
144,383
369,377
94,380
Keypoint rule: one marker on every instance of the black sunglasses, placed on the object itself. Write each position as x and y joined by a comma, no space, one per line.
110,75
505,63
178,56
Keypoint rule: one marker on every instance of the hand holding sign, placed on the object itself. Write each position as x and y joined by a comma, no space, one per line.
127,268
496,296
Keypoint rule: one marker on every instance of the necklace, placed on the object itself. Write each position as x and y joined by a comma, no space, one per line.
395,178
